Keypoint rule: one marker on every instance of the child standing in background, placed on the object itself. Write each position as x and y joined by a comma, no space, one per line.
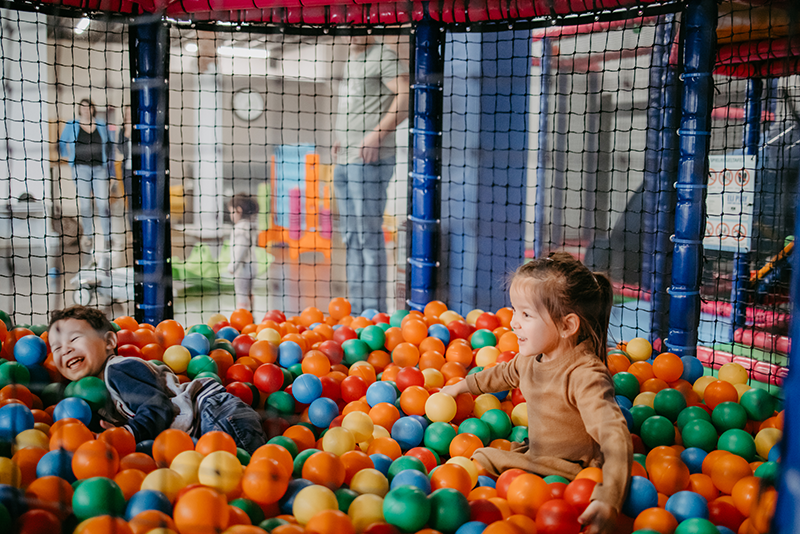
243,209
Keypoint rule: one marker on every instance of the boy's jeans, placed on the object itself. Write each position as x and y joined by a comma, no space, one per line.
229,414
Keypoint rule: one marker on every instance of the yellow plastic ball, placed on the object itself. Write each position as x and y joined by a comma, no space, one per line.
164,480
370,481
312,500
473,316
10,473
269,334
177,358
440,408
42,427
433,378
639,349
449,316
380,432
484,403
487,356
339,440
365,510
645,398
31,438
741,388
220,470
766,439
519,415
733,373
468,465
186,464
701,384
360,424
216,319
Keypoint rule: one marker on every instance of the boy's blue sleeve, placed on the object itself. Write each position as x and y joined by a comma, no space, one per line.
139,389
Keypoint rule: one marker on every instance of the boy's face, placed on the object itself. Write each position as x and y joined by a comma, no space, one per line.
78,350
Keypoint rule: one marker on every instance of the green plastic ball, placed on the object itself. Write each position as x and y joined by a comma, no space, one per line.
355,350
300,460
98,496
286,443
641,458
38,329
556,478
690,414
288,377
499,423
475,426
224,344
626,384
14,373
758,404
397,318
282,402
696,525
728,415
449,510
201,364
209,374
701,434
669,403
253,511
205,330
657,431
406,462
295,370
407,508
373,336
438,437
243,456
738,442
272,523
768,471
483,338
384,326
6,319
91,389
345,497
476,369
640,414
53,393
518,434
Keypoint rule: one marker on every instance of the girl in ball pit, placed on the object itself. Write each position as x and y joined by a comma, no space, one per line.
145,398
561,313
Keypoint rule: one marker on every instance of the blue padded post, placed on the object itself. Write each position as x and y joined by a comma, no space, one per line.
426,163
700,23
741,260
149,59
541,156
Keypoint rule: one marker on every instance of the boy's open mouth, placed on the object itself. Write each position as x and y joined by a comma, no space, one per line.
74,361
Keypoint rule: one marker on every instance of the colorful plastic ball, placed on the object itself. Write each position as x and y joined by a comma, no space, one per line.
366,510
177,357
693,458
557,516
728,415
519,415
307,388
266,481
373,336
626,384
655,521
641,496
289,353
97,496
701,434
201,511
692,369
359,424
196,343
407,432
312,500
70,408
412,477
499,423
483,338
686,505
338,440
407,508
766,439
147,500
484,403
669,403
379,392
768,472
15,418
758,404
441,407
657,431
220,470
322,411
472,527
438,436
58,463
449,509
30,350
738,442
697,525
91,389
439,331
370,481
186,464
639,349
690,414
355,350
95,458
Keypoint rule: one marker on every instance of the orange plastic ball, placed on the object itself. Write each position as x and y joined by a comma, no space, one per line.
414,331
69,436
384,414
355,461
459,351
27,459
138,460
527,493
121,439
413,399
330,522
745,494
508,341
432,344
302,436
215,440
275,452
379,359
618,363
241,318
728,470
431,360
129,481
103,524
339,308
316,363
643,371
451,476
386,446
201,511
325,469
265,481
145,521
710,459
465,444
435,308
95,458
718,392
656,519
169,444
453,370
668,367
51,493
703,485
405,355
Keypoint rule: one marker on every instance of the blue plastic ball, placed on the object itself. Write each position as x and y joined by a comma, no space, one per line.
56,463
628,417
30,350
381,463
14,500
287,501
307,388
774,454
147,500
412,477
693,458
421,420
624,402
501,395
724,530
196,343
14,418
370,313
379,392
145,447
687,505
439,331
227,332
407,432
641,496
692,369
484,481
322,411
73,407
289,353
472,527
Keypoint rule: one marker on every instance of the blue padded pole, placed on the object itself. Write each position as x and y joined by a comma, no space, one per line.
700,20
149,59
426,162
741,260
541,156
787,510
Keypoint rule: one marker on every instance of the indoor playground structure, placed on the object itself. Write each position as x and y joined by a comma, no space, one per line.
657,141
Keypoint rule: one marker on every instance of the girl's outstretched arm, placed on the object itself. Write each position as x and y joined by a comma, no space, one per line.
599,518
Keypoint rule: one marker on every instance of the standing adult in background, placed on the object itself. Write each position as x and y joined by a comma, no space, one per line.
373,101
85,144
124,147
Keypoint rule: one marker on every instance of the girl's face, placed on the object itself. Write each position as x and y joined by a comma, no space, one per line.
236,214
536,330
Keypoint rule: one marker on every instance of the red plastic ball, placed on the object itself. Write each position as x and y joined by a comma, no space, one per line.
241,390
343,333
242,344
239,373
409,376
459,330
488,321
557,516
484,511
353,388
268,378
579,493
332,349
331,388
274,315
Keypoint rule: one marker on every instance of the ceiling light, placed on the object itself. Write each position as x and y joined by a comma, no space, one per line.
191,47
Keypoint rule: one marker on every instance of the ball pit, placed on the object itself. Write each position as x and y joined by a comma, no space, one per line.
362,441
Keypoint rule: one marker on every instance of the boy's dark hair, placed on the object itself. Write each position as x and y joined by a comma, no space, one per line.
93,316
248,204
90,104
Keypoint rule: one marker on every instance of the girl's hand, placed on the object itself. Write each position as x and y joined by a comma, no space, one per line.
455,389
599,518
